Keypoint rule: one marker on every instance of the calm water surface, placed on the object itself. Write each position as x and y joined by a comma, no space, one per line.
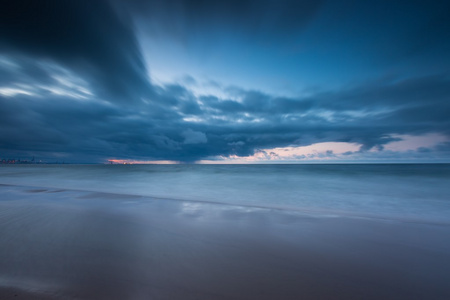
410,191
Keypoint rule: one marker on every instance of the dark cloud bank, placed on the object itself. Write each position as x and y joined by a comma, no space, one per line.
75,87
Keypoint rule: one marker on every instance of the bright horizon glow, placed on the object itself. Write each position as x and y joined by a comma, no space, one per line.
326,152
140,162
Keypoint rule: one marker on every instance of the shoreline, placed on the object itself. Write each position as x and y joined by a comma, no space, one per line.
82,245
299,210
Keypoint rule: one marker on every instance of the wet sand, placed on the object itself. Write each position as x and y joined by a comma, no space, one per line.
62,244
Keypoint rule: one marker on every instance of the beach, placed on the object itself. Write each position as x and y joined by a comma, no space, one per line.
224,150
73,244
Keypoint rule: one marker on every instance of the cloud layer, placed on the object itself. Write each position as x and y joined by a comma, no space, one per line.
74,86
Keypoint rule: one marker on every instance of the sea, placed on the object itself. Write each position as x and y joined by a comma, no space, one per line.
410,192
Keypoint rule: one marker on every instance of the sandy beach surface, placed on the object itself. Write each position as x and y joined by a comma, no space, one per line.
67,244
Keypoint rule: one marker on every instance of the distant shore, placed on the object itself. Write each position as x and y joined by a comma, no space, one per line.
62,244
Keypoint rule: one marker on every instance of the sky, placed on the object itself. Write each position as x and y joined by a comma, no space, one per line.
246,81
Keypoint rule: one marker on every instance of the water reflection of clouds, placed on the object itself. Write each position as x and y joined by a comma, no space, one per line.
191,208
211,211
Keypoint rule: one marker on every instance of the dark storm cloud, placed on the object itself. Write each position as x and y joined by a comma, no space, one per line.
399,100
256,18
89,129
69,69
86,36
370,114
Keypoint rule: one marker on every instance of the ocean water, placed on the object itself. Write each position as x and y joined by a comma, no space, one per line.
416,192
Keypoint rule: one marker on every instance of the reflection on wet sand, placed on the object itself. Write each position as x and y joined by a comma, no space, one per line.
82,245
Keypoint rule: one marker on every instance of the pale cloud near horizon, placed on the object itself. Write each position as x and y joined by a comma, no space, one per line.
335,151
